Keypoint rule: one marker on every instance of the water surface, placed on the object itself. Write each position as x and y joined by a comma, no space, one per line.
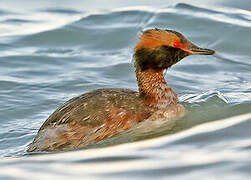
50,53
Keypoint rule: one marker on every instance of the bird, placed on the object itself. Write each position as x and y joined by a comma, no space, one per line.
105,113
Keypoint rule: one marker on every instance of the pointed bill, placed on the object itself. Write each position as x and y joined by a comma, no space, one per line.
195,50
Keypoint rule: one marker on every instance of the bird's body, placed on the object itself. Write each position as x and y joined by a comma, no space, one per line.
104,113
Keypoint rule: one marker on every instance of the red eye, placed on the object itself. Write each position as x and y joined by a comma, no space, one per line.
176,44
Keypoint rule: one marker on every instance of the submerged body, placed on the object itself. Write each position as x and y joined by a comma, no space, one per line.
89,118
104,113
92,117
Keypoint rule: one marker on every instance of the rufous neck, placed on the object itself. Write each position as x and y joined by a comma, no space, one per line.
153,86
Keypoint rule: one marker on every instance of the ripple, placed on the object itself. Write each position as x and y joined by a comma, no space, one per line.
119,19
18,21
55,51
61,11
226,15
183,6
4,12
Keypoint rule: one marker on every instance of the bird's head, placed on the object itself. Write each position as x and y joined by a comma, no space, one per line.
160,49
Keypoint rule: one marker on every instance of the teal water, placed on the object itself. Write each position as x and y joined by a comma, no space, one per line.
53,51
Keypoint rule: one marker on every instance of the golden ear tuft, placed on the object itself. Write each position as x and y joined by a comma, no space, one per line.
154,38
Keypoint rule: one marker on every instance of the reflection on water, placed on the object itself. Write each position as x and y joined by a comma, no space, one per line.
50,55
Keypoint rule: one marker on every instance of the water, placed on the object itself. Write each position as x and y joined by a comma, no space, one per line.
53,51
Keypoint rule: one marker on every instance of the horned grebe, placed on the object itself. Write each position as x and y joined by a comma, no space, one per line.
104,113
